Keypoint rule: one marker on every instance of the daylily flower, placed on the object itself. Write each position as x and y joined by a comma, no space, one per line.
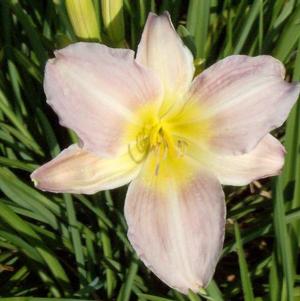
144,120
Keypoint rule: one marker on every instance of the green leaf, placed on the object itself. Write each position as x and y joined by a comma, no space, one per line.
26,231
198,23
244,271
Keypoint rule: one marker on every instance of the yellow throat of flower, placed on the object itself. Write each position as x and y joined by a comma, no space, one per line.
164,141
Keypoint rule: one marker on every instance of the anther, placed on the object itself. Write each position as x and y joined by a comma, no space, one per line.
182,147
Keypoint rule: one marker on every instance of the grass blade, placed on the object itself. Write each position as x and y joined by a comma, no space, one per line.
198,23
245,276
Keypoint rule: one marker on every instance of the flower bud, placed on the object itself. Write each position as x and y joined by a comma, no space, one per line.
113,19
83,18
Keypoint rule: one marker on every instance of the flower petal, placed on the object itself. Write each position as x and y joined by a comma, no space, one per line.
265,160
162,50
76,170
247,97
177,231
95,89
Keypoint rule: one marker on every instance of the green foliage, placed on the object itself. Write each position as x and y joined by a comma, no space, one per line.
64,247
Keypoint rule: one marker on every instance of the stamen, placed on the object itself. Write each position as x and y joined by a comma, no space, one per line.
155,139
158,159
182,147
135,159
142,142
165,150
157,169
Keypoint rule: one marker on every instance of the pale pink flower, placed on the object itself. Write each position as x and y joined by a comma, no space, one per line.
144,120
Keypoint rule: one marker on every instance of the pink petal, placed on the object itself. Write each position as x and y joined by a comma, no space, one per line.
162,50
177,231
265,160
247,98
76,170
95,90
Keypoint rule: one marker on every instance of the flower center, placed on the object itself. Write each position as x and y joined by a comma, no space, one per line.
167,140
157,139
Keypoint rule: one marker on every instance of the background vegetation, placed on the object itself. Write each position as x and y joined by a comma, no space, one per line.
75,247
